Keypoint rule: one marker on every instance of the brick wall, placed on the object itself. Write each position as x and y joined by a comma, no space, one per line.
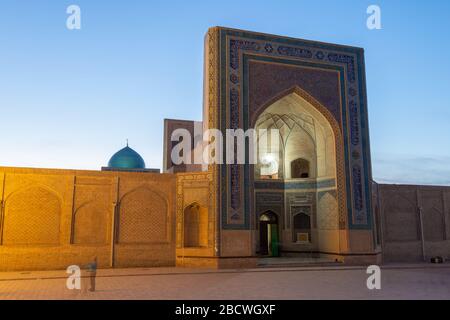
398,208
50,219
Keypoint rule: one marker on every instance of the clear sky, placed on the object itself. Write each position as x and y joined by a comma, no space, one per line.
70,99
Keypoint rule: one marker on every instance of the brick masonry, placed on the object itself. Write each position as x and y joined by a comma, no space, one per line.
51,219
400,228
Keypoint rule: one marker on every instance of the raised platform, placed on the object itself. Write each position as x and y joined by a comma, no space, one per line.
217,262
296,262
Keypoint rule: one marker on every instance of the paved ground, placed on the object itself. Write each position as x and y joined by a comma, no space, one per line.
398,282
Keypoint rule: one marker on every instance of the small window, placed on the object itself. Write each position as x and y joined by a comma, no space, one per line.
300,169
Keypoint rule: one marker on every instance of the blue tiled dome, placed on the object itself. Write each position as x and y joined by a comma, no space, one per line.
126,158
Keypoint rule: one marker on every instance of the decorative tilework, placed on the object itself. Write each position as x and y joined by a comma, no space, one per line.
347,59
234,108
354,123
294,52
234,45
269,78
235,178
320,194
292,185
320,55
234,78
358,195
268,48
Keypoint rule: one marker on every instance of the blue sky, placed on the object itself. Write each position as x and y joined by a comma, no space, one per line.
70,99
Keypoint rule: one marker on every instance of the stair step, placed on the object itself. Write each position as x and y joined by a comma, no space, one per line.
295,262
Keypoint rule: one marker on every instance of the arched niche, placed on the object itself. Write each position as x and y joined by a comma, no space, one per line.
32,217
90,224
143,217
301,227
304,133
300,168
195,228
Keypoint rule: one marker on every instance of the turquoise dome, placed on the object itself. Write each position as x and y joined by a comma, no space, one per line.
126,158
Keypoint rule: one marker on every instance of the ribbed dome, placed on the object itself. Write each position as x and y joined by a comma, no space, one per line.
126,158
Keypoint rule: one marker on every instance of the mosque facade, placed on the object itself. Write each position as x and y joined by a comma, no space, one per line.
314,198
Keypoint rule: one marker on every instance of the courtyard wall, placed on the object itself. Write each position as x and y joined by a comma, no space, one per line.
399,209
50,219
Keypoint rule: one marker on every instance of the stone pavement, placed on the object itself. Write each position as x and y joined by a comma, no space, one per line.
398,282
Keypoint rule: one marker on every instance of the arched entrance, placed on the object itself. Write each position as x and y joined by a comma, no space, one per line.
268,234
305,171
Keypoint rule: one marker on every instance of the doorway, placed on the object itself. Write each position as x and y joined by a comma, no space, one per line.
268,234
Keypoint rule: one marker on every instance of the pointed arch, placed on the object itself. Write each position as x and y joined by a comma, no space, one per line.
269,216
326,117
301,222
34,186
195,225
90,224
32,217
143,217
304,95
